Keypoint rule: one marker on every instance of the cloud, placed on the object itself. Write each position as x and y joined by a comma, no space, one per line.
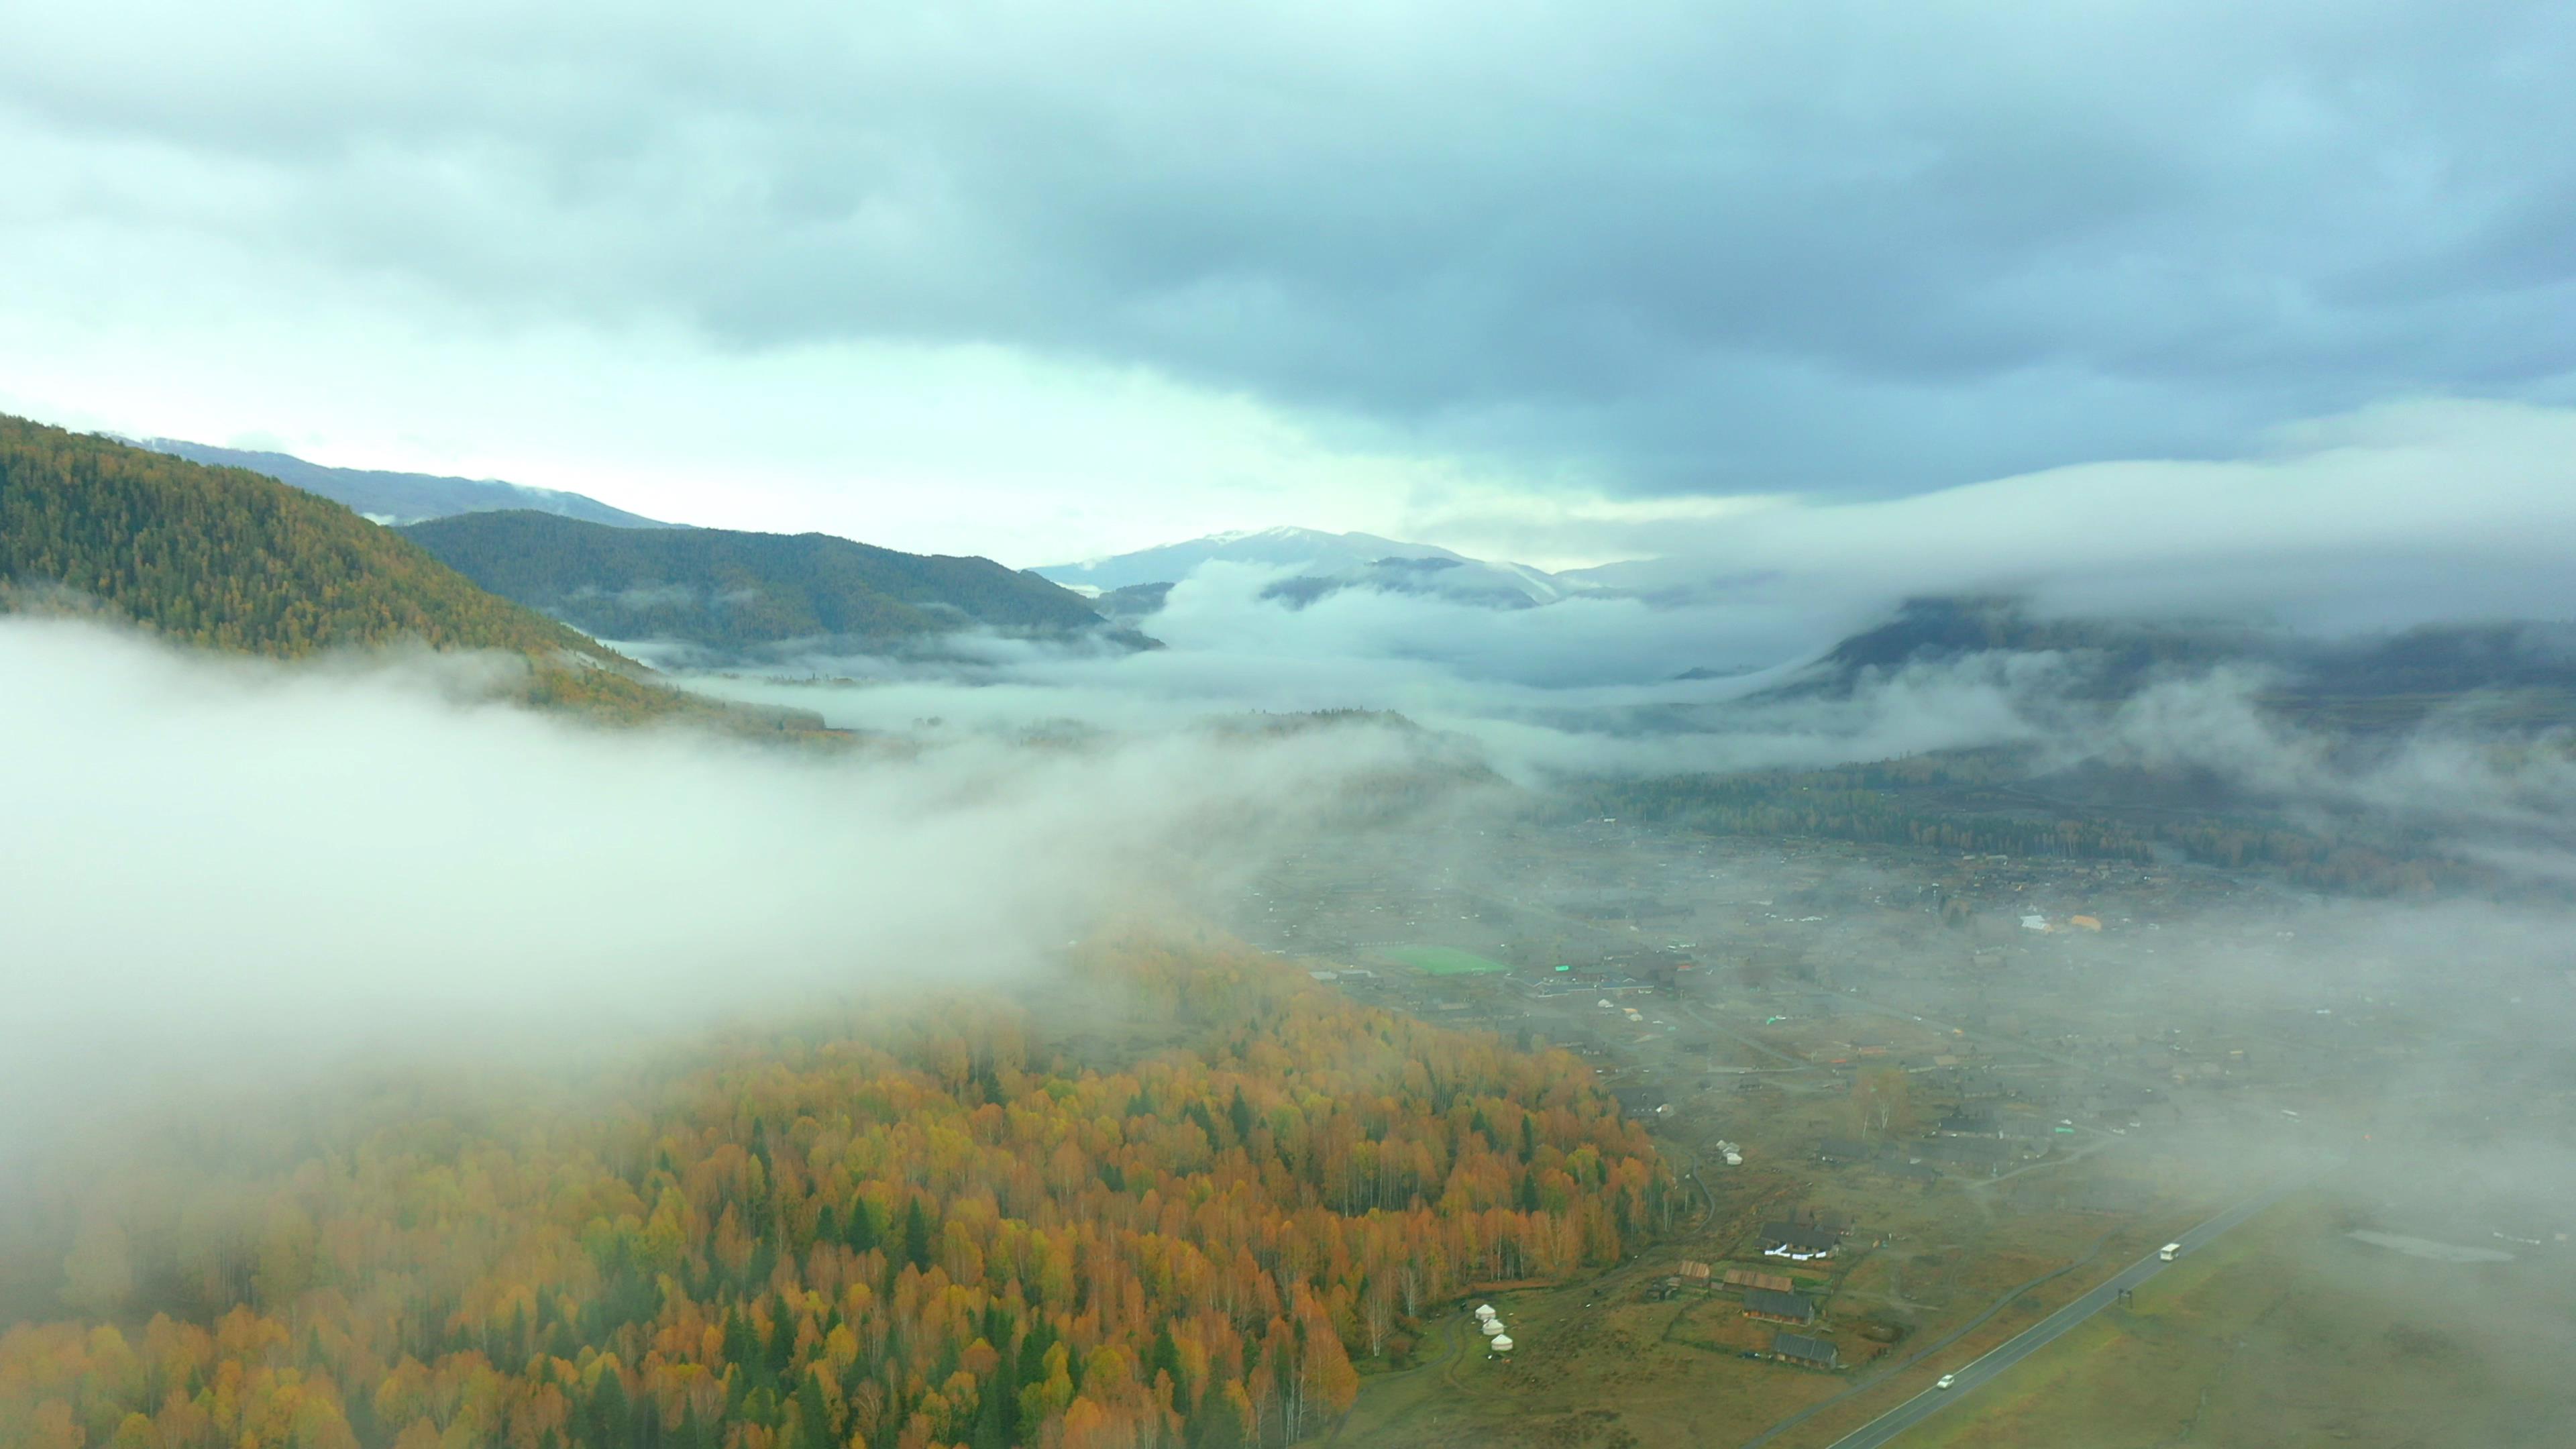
1580,688
2452,774
1656,249
224,872
228,873
2390,516
1585,690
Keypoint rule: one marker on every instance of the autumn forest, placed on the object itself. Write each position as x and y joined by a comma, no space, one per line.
1180,1196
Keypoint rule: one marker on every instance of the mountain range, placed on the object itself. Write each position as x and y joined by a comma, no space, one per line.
232,558
715,596
694,596
383,497
235,561
2507,670
1322,564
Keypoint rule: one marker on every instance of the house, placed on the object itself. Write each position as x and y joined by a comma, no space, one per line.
1966,1123
1748,1278
1641,1102
1797,1242
1799,1348
1779,1307
1694,1270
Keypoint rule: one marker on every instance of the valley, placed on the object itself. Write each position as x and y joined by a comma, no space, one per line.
1139,1059
1991,1117
1394,726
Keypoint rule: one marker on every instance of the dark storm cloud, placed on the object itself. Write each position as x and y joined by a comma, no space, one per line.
1667,246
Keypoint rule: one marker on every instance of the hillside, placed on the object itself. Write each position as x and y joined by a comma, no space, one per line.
225,559
2424,734
967,1221
405,497
2521,673
732,596
2118,654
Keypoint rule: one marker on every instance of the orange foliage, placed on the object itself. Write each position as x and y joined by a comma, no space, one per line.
970,1223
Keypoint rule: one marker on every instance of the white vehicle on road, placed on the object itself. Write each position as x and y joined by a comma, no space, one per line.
2169,1251
1945,1381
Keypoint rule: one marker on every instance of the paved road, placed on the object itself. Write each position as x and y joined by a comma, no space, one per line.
2048,1330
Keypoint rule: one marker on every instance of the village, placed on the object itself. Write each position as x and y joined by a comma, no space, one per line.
1915,1100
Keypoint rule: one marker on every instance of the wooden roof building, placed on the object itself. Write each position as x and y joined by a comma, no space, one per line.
1799,1348
1779,1307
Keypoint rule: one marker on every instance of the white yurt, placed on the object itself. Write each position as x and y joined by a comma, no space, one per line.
1484,1313
1493,1327
1502,1343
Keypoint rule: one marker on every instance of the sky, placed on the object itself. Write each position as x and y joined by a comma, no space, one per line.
1044,282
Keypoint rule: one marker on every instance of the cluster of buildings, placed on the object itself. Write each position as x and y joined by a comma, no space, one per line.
1794,1308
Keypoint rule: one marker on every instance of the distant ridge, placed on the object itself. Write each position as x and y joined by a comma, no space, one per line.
396,498
228,559
1325,563
731,597
2365,682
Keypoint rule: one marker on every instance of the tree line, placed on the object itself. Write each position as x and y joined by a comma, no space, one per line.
1917,802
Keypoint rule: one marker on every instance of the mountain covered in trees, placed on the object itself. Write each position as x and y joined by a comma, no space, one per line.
226,559
2230,728
2357,680
725,596
966,1221
385,497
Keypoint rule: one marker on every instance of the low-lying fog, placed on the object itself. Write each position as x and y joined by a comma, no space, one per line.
215,872
213,869
1231,652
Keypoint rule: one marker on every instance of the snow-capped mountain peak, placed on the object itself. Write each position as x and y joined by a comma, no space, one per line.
1325,563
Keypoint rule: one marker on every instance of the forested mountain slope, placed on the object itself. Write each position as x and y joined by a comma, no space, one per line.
966,1221
2358,680
405,497
226,559
734,594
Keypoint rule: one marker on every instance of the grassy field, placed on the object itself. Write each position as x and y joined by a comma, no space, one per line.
2285,1332
2288,1332
1443,961
1603,1364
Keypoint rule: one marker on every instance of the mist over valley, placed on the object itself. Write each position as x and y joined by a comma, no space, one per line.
1097,728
